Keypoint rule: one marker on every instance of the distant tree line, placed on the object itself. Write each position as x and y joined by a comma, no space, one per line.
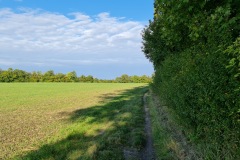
16,75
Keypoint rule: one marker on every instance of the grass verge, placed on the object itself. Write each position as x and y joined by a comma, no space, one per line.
173,140
168,137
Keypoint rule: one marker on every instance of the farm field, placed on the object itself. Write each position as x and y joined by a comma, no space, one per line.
70,120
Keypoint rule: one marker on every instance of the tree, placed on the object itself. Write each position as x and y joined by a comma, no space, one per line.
123,79
135,79
60,77
82,78
49,76
89,79
184,24
36,77
20,76
71,77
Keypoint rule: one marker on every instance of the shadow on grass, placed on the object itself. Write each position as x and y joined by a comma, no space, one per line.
102,131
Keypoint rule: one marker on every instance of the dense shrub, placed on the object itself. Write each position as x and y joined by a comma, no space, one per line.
205,93
195,49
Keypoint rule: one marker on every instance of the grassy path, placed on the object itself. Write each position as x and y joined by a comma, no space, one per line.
169,139
149,153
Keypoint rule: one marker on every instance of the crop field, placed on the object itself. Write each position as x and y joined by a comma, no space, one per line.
70,120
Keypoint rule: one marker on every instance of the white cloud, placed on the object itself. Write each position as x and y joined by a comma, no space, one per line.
40,37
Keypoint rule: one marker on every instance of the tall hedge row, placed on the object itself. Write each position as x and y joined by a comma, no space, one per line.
195,49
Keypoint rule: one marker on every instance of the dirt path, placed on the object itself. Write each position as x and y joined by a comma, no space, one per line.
147,153
178,145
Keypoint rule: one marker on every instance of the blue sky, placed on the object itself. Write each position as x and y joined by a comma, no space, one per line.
93,37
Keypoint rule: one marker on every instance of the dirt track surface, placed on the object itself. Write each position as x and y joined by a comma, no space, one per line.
183,149
147,153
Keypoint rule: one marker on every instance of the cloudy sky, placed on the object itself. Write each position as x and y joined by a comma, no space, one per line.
92,37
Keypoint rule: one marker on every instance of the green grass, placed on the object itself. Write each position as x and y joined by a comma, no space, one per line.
161,137
169,140
173,140
70,120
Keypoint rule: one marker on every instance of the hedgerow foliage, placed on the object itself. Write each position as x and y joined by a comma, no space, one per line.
195,50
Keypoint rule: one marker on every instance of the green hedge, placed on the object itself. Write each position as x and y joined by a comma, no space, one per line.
204,90
195,50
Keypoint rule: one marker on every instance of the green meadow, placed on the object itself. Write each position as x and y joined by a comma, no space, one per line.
70,120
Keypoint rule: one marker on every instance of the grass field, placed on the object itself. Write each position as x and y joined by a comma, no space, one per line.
70,120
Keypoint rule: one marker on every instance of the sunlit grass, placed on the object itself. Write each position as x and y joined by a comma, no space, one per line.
70,120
